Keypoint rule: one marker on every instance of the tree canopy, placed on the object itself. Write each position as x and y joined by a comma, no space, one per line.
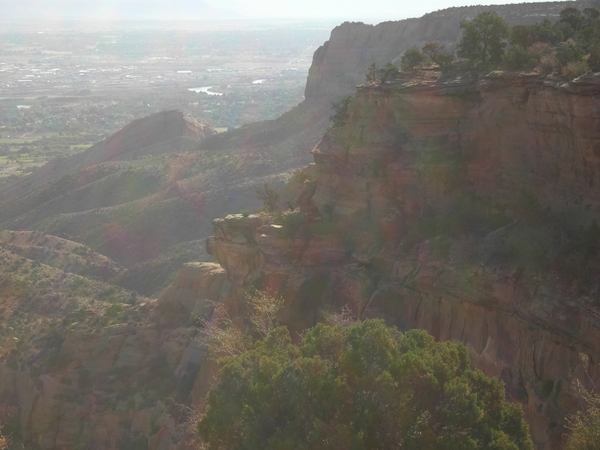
411,59
340,111
366,386
585,425
484,39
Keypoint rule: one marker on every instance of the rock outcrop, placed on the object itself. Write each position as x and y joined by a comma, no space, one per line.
150,207
341,63
416,148
195,288
115,386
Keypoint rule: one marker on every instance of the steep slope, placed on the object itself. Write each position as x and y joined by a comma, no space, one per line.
382,230
145,197
59,253
464,206
341,63
164,132
84,369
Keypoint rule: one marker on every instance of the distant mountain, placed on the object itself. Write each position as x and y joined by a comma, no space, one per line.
145,197
113,9
161,133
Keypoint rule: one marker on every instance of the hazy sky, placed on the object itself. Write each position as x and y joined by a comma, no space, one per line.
345,9
339,10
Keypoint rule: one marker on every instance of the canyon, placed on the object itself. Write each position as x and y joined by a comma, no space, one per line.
444,202
350,246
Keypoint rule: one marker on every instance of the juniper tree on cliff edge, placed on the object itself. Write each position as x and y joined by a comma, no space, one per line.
484,39
363,387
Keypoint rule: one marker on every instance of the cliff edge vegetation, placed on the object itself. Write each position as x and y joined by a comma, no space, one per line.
460,203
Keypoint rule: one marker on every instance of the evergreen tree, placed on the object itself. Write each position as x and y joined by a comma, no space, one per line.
366,386
484,39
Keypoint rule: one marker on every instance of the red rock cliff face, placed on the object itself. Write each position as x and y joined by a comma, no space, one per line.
517,131
100,390
340,64
513,133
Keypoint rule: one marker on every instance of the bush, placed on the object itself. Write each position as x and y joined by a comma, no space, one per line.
389,72
528,35
365,386
594,58
411,59
575,69
340,111
435,52
548,63
445,61
483,39
545,55
518,58
569,52
371,74
585,425
269,197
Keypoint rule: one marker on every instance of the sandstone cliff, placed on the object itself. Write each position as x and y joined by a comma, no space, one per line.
115,386
341,63
363,239
428,210
146,196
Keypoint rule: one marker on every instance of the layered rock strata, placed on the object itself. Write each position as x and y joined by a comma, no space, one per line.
510,133
341,63
116,386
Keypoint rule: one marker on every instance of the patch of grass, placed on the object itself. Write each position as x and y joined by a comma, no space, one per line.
114,310
19,141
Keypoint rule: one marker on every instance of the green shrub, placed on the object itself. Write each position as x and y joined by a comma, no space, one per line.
569,52
291,222
594,58
389,72
585,425
484,39
437,54
518,58
114,310
305,175
412,58
366,386
528,35
340,111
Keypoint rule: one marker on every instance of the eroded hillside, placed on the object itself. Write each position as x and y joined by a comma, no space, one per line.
462,205
145,197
